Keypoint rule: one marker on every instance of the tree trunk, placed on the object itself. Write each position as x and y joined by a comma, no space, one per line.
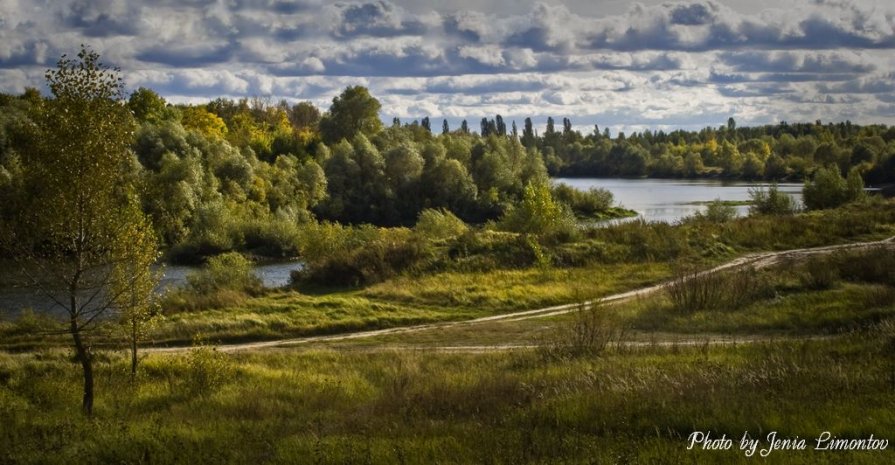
133,350
82,353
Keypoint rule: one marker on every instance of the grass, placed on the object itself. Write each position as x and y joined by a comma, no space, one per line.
404,301
637,403
324,406
798,313
515,290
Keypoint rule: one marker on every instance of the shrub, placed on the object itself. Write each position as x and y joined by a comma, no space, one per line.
642,240
587,204
229,271
829,189
718,212
207,369
278,238
771,201
355,256
590,332
488,250
692,291
539,214
439,224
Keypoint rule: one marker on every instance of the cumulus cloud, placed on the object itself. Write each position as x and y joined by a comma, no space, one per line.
677,62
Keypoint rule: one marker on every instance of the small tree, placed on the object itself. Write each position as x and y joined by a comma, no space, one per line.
133,282
79,233
829,189
539,213
771,201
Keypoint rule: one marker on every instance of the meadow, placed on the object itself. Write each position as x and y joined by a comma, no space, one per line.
800,347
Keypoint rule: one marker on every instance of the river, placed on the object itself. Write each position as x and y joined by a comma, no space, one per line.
673,199
652,199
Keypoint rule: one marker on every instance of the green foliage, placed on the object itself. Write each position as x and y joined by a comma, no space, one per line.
356,256
207,369
353,112
829,190
228,271
586,204
718,211
439,224
539,214
148,106
80,223
770,201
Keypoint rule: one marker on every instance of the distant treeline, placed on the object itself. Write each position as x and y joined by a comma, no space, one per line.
247,174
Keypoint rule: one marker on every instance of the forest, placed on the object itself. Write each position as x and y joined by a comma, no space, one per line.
250,174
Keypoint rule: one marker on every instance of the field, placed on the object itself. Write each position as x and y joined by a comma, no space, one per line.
801,345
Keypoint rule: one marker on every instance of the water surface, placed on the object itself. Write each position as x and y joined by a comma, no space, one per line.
673,199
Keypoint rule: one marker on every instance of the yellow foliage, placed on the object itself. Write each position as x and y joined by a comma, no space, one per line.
204,122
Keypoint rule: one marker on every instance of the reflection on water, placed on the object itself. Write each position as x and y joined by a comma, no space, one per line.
671,200
13,299
272,275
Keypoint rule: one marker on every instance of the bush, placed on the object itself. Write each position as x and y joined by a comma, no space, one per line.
829,189
718,212
439,224
230,271
771,201
488,250
356,256
641,240
539,214
587,204
207,369
278,238
691,291
590,333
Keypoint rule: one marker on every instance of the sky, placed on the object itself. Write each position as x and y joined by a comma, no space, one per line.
623,65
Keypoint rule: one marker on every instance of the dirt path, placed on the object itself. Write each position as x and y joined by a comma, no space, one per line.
756,261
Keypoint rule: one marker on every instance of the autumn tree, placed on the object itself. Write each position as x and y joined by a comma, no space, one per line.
80,234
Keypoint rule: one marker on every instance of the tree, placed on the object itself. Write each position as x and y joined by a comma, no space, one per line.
538,213
204,122
828,189
133,281
77,228
528,134
500,125
445,129
354,111
304,115
147,106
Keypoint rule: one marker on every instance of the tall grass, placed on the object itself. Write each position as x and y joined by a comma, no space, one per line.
636,406
693,290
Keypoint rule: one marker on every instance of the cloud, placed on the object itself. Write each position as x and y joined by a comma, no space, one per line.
675,62
802,61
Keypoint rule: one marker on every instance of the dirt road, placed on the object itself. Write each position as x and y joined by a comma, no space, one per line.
756,261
